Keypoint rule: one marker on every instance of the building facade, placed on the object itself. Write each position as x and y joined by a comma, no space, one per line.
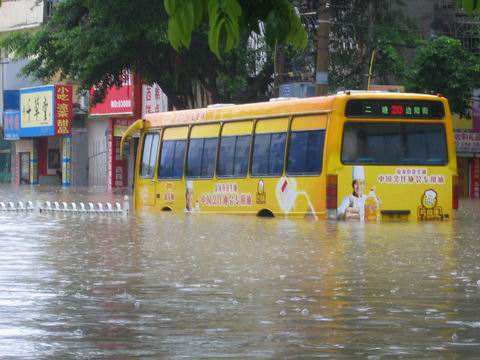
107,123
40,146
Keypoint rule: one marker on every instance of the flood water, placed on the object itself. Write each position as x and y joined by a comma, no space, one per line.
179,286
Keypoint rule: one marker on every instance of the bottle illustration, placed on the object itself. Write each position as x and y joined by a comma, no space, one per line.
261,196
371,206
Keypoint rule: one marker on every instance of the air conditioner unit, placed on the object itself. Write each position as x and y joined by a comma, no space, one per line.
297,89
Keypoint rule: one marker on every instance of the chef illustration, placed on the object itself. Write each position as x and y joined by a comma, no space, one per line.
353,205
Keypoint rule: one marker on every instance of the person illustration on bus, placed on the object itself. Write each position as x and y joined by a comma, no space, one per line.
353,205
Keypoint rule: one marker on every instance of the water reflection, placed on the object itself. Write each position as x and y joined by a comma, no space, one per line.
209,286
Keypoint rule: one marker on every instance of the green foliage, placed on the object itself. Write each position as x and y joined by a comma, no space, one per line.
443,66
358,28
94,42
228,18
470,6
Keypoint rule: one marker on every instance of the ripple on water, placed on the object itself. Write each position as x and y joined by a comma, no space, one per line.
178,286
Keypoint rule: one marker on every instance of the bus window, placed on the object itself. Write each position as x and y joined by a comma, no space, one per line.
269,147
305,153
173,153
234,149
149,155
202,151
171,159
394,144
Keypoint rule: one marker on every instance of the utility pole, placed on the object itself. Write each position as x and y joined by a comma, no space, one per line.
323,36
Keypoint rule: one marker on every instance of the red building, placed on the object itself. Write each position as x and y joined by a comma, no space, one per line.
106,124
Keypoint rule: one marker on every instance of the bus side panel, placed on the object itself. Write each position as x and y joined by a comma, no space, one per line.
292,196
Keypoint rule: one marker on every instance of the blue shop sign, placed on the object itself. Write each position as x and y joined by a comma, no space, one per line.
11,125
37,111
11,99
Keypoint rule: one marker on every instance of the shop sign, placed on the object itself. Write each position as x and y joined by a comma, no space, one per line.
46,111
63,109
154,99
118,100
11,125
468,142
37,111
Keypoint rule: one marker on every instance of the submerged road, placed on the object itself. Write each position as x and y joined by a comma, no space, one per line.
179,286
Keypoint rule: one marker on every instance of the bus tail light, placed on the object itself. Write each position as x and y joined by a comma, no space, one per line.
332,192
455,192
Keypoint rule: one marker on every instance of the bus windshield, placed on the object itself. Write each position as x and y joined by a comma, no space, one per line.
367,143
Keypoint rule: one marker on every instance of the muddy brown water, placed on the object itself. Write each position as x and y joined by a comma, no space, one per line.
179,286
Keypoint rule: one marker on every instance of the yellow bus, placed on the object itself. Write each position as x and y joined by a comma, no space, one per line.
354,155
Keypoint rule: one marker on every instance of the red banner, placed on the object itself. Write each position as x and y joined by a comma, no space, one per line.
118,100
63,109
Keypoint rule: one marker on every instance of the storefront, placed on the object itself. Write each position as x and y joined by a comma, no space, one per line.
41,132
120,108
11,103
108,121
468,160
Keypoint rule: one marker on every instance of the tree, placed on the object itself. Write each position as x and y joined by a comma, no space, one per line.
443,66
469,6
94,42
358,28
226,18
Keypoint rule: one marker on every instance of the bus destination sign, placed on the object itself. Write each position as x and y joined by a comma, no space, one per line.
405,109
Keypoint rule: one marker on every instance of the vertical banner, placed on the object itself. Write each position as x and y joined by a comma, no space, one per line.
63,109
11,125
67,160
153,99
475,179
110,152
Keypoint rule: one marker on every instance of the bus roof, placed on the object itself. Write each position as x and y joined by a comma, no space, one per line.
272,108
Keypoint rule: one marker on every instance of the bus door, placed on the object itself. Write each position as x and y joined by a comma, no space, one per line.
145,194
170,188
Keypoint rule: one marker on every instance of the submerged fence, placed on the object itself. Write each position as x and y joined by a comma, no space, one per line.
66,207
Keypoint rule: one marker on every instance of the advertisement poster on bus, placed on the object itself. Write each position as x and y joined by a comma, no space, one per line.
366,192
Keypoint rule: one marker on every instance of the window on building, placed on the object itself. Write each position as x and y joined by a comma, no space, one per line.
149,155
172,159
268,154
233,156
305,152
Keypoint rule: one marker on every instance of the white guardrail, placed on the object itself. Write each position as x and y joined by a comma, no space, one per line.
66,207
